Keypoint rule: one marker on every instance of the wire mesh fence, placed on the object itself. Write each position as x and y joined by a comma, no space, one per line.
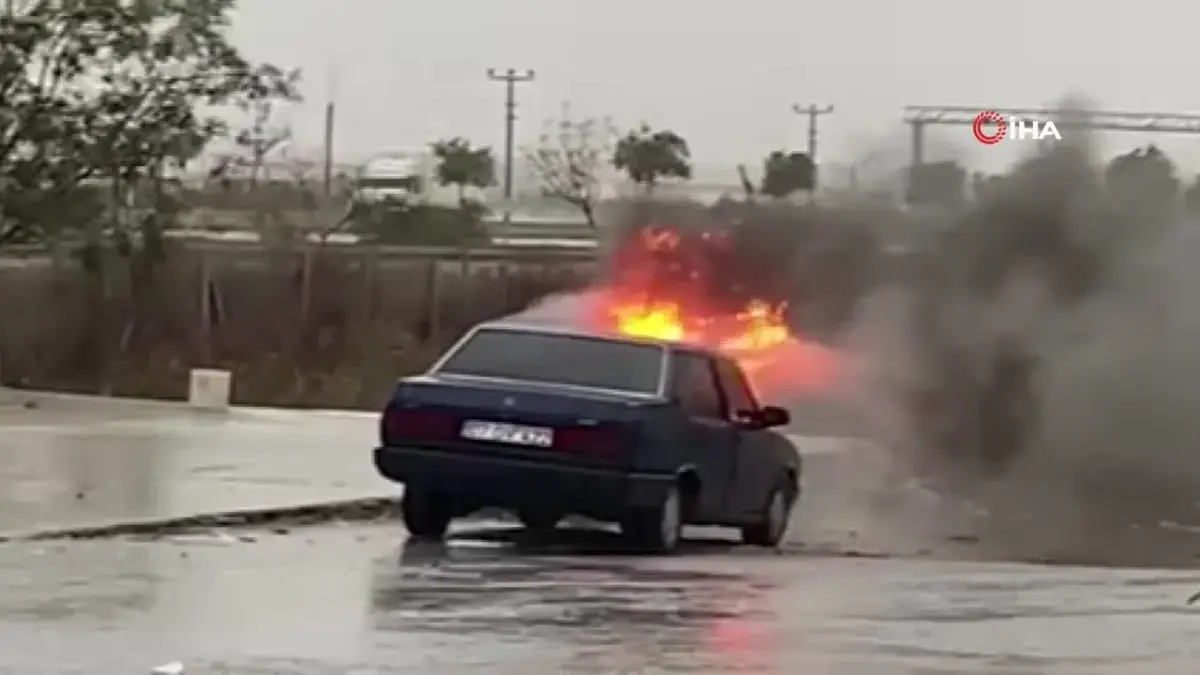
306,325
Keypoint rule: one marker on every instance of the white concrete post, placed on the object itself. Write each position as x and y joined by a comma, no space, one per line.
209,389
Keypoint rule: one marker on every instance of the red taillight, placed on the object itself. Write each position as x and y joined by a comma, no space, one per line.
399,423
587,441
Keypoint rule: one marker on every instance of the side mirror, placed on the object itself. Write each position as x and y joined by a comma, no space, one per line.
773,416
764,418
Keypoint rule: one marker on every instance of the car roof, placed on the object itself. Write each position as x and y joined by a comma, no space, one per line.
578,332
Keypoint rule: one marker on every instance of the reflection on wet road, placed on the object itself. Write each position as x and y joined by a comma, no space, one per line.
344,600
75,466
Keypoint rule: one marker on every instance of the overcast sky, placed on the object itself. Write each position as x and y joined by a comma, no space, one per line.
723,74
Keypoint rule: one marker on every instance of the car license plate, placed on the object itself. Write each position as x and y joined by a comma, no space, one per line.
513,434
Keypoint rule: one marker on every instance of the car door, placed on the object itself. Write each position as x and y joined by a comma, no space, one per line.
756,467
710,435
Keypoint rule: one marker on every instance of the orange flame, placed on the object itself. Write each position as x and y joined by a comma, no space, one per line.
757,336
659,322
762,328
775,361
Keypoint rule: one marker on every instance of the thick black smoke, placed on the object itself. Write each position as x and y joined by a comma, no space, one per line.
1036,352
818,261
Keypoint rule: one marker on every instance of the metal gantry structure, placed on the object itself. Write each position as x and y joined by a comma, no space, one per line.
918,117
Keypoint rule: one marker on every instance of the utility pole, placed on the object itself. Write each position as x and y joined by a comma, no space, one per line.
814,112
510,78
330,119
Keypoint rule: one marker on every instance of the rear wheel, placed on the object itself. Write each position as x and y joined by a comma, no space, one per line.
425,515
771,528
657,529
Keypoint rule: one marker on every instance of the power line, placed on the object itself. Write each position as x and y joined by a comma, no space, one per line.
510,78
814,113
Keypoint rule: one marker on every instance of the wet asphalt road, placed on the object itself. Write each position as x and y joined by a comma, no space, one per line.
74,462
356,600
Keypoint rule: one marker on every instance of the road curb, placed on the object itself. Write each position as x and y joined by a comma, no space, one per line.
370,508
49,400
37,397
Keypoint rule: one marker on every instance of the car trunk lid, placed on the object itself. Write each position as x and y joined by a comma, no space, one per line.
515,419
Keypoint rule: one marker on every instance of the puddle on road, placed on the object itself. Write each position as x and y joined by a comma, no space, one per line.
361,600
75,470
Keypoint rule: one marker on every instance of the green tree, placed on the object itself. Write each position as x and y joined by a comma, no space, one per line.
1191,199
103,103
1143,181
569,157
785,173
647,156
463,166
113,92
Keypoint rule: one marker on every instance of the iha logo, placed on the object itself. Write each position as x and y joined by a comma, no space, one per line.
990,128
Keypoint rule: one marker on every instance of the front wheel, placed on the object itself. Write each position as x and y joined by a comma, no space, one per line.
770,530
425,515
658,529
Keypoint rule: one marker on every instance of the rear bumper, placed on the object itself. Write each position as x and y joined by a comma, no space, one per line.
476,482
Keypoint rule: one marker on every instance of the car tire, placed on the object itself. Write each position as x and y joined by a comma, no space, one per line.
771,529
659,529
539,521
425,515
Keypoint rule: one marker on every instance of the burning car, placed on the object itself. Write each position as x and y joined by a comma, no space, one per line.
547,423
675,285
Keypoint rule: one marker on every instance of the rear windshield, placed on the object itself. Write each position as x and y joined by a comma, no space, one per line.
559,359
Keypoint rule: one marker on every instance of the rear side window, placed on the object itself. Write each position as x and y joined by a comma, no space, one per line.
694,385
559,359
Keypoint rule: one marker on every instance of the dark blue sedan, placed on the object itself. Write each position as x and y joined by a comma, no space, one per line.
547,423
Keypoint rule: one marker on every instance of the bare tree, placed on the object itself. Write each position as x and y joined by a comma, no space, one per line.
255,148
242,180
324,214
569,157
747,184
259,141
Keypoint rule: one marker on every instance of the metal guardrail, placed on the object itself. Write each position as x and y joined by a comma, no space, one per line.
572,241
485,253
548,232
